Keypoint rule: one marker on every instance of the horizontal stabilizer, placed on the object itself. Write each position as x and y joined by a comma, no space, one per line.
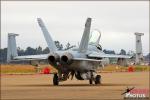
103,55
86,59
31,57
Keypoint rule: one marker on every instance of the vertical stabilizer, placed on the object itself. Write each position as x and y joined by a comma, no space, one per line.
85,38
12,48
139,54
51,45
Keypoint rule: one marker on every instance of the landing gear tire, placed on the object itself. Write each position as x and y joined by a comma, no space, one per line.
55,80
98,79
90,81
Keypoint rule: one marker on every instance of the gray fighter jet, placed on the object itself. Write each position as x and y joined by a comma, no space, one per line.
81,62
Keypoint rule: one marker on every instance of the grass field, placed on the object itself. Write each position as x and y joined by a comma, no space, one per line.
116,68
18,68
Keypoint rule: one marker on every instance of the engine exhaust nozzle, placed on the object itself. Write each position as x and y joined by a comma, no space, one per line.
53,58
66,58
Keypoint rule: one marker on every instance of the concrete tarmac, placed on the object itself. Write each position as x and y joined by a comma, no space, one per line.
40,87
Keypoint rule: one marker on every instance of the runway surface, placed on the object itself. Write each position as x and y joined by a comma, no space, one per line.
40,86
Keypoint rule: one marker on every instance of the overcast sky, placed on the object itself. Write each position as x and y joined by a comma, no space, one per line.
117,21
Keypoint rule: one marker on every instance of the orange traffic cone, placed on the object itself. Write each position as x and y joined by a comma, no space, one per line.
130,69
46,70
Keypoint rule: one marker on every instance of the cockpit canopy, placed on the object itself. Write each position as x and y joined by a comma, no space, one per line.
95,36
94,39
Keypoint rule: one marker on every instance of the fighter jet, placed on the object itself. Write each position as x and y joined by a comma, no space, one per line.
81,62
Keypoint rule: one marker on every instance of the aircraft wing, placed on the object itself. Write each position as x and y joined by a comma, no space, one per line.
31,57
103,55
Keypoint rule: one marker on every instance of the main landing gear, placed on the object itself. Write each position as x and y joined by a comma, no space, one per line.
97,80
55,79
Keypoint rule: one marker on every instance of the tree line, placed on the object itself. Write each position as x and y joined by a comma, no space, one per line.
40,50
